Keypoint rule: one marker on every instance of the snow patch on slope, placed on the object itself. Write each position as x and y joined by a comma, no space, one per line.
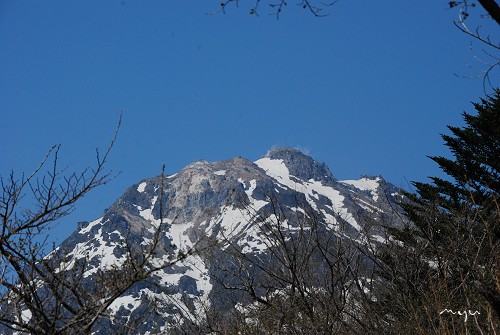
365,184
127,302
178,233
141,187
147,214
255,204
90,226
194,265
277,169
96,247
26,315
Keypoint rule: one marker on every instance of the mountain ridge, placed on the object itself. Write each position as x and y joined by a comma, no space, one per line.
225,203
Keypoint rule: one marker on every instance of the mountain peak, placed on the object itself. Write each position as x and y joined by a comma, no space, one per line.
277,153
301,165
182,225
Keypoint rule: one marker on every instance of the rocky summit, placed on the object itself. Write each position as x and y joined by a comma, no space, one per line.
187,223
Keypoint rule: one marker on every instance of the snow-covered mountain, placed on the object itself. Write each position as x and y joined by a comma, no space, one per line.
193,216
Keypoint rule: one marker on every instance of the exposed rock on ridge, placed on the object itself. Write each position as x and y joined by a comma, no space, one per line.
220,201
301,165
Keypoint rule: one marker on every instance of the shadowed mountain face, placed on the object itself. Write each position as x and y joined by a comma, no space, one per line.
203,209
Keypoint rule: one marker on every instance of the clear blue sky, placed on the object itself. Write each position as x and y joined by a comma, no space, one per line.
366,89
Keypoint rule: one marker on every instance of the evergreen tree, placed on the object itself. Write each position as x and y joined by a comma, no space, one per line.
449,257
475,169
469,201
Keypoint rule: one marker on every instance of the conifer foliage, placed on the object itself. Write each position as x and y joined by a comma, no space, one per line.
451,255
475,169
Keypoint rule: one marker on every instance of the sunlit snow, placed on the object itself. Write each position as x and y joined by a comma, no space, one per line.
90,226
255,204
277,169
141,187
147,214
127,302
365,184
96,247
26,315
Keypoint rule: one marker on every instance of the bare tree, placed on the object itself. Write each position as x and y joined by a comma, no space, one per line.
430,283
29,207
54,293
316,8
312,277
309,278
489,57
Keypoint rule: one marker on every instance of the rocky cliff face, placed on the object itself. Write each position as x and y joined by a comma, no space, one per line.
217,202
